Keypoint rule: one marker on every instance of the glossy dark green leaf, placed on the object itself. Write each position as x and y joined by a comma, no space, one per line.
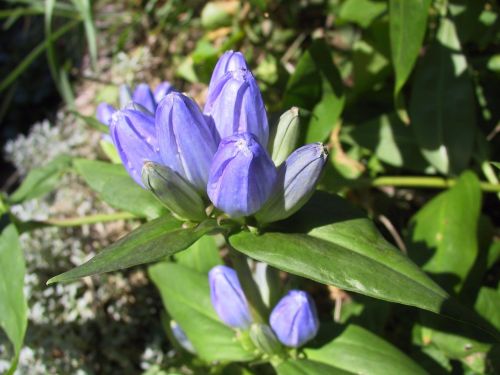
392,142
444,232
186,296
361,352
370,67
308,367
42,180
316,86
13,306
150,242
408,23
488,305
118,189
200,256
442,108
337,245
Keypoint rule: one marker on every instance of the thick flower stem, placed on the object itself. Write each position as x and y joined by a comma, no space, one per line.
426,182
257,307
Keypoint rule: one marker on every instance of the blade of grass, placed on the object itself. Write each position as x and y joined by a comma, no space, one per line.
85,9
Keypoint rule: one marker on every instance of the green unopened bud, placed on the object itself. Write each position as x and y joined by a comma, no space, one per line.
178,195
286,135
264,339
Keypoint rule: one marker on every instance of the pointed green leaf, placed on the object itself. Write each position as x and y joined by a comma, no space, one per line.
150,242
361,352
186,296
442,106
308,367
201,256
13,306
117,188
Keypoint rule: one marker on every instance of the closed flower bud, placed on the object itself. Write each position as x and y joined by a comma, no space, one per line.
187,142
104,113
286,135
133,134
228,62
242,176
264,339
235,106
143,95
163,89
294,319
228,298
125,95
181,337
178,195
296,183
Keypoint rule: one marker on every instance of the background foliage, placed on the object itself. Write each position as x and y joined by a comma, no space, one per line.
404,92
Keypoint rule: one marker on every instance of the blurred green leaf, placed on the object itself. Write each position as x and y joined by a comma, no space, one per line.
186,296
201,256
442,103
488,305
117,188
337,245
370,67
150,242
362,12
316,85
13,306
42,180
217,14
361,352
445,230
408,23
84,7
308,367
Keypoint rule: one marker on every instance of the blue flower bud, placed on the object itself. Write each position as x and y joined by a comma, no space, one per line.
228,298
296,183
178,195
125,95
143,95
134,137
162,90
236,106
294,319
242,175
187,142
228,62
104,113
181,337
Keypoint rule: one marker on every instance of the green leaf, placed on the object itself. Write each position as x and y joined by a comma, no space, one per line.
186,296
117,188
444,232
92,122
13,306
370,67
361,352
308,367
362,12
407,24
337,245
40,181
201,256
150,242
391,141
488,305
442,105
316,86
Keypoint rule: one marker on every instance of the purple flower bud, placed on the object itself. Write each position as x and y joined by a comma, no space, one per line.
228,298
133,134
294,319
296,183
163,89
236,106
143,95
242,175
187,142
181,337
228,62
104,113
125,95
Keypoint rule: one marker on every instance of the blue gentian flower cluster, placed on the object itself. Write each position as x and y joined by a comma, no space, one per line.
293,320
188,158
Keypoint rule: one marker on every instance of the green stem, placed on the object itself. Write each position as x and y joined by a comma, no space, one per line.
257,307
91,219
426,182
